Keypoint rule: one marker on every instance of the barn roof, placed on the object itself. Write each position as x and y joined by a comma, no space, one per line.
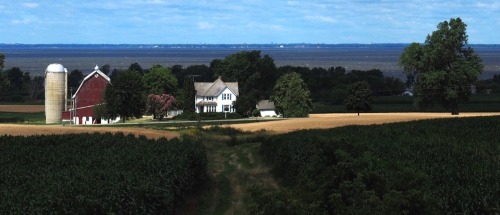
96,71
215,88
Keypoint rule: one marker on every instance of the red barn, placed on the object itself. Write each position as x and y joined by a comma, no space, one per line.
89,94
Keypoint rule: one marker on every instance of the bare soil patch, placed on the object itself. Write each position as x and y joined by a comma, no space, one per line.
26,130
22,108
323,121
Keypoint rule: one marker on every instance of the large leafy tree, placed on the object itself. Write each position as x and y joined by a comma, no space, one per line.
16,87
359,97
291,96
136,67
2,60
75,78
4,81
36,88
125,96
4,85
160,80
444,66
201,73
255,74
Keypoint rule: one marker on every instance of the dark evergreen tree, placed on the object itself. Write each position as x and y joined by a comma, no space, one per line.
189,95
106,69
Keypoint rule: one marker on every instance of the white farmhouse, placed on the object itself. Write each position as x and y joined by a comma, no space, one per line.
215,97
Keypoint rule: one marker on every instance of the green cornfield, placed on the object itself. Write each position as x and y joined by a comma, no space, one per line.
441,166
98,174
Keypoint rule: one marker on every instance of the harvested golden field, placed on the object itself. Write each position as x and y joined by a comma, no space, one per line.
24,130
322,121
314,121
22,108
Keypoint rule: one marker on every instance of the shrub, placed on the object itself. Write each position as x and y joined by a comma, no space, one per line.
256,113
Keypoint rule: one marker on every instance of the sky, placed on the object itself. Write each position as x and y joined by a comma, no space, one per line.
241,21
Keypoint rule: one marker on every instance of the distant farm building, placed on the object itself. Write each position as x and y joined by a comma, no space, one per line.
217,96
88,96
266,108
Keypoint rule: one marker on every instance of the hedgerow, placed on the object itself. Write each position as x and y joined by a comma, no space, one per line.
207,116
445,166
97,174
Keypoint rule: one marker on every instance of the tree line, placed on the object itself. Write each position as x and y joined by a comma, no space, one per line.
439,71
258,78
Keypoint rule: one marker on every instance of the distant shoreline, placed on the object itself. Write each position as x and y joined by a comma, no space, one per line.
201,45
34,58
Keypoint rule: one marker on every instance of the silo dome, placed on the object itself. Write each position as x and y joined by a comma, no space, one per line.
55,67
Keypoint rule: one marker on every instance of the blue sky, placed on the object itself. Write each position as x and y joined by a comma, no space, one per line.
241,21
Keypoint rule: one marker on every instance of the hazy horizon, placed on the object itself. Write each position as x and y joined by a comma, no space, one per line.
35,58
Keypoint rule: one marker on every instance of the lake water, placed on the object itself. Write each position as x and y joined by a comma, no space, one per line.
36,58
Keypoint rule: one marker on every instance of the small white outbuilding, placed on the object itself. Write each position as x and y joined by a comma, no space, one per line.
266,108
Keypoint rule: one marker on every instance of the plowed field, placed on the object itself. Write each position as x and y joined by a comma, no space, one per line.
22,108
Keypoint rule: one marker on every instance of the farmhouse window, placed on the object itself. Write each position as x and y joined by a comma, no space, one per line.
211,108
226,96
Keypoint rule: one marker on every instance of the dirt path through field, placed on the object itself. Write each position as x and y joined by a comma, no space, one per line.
24,130
337,120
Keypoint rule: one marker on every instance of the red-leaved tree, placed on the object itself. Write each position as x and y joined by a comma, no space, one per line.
159,105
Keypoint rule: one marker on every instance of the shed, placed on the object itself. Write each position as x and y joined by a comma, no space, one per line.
266,108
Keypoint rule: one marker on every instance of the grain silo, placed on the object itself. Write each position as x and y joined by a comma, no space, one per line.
55,92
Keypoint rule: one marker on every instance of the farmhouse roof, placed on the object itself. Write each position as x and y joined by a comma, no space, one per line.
94,73
215,88
265,105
